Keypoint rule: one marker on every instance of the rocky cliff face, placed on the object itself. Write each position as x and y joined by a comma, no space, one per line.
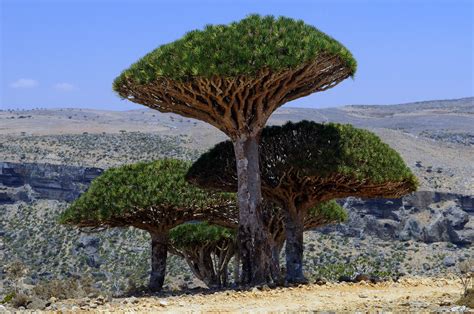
423,216
29,181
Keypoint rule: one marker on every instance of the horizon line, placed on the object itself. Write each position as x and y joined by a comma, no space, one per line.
294,107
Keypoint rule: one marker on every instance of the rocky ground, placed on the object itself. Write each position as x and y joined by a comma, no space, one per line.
406,295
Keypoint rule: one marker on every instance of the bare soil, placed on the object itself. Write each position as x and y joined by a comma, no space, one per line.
407,295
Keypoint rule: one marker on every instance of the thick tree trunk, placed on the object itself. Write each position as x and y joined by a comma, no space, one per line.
275,264
203,268
294,225
237,268
254,250
159,252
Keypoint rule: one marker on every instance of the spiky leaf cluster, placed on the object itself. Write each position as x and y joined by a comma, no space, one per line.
239,48
308,149
330,212
191,235
155,188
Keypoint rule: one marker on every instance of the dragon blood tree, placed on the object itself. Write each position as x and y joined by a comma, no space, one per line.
321,214
150,196
234,77
207,250
306,163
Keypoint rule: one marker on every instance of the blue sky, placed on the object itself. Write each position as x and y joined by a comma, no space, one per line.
67,53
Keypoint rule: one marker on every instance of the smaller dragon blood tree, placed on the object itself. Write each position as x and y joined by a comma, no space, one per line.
306,163
151,196
207,250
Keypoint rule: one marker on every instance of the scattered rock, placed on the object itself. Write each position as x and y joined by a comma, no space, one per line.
344,279
445,303
320,282
265,288
163,303
362,277
363,296
458,309
449,261
36,304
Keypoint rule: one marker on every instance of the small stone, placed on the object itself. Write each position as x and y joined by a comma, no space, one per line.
265,288
363,296
458,309
375,279
52,300
362,277
320,282
181,304
344,279
444,303
449,261
163,303
255,290
133,300
36,304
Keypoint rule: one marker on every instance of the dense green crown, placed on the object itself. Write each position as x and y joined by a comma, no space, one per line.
312,150
158,185
191,235
239,48
329,211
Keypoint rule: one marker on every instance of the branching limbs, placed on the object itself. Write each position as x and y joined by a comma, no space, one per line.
237,105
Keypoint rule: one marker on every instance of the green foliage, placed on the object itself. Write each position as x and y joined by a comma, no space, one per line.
358,265
190,235
358,153
239,48
312,150
330,211
8,297
160,185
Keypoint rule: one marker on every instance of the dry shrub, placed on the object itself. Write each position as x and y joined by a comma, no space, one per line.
65,289
467,299
466,274
20,299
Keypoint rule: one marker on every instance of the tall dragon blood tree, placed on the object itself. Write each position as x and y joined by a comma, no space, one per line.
150,196
234,77
306,163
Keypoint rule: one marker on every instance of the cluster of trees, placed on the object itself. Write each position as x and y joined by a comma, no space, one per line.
268,184
191,210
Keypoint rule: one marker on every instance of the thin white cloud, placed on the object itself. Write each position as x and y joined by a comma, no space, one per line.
24,83
65,87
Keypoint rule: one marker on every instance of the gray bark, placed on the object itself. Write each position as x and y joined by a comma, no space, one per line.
255,253
294,225
159,252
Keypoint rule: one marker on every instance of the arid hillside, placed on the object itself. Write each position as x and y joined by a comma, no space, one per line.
436,138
